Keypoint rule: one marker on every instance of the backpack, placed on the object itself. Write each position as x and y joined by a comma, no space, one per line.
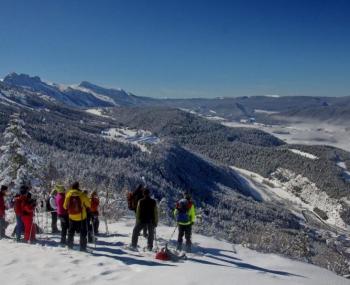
182,211
134,198
130,199
74,205
48,205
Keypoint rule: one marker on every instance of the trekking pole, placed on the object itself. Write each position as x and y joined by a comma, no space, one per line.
166,245
38,221
31,228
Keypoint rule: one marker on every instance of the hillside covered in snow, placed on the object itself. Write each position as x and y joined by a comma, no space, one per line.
212,262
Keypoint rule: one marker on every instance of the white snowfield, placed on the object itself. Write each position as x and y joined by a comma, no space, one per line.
296,193
139,138
309,133
346,173
304,154
213,262
97,112
260,111
97,95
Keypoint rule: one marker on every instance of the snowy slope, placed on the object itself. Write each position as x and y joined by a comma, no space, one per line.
296,193
140,138
213,262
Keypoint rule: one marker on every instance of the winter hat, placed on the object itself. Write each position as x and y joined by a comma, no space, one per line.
75,185
3,188
23,189
59,188
146,192
187,195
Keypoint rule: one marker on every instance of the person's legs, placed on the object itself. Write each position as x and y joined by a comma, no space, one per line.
88,226
135,234
96,224
83,235
180,237
71,231
27,225
2,227
19,227
150,239
64,227
188,235
54,228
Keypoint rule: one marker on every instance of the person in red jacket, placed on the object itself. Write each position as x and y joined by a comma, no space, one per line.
18,207
95,203
28,210
3,191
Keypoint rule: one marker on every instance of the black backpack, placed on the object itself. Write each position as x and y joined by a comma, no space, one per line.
48,205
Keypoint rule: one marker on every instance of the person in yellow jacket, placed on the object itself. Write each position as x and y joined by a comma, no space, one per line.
76,203
185,215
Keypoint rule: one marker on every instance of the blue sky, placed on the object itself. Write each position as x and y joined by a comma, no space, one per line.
183,48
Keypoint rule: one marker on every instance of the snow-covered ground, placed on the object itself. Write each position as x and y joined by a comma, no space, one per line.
296,193
304,154
346,172
212,262
97,112
97,95
141,138
304,133
259,111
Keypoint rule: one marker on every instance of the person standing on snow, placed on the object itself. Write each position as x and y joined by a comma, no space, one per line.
146,216
133,199
28,210
18,208
62,212
52,208
3,191
76,203
185,215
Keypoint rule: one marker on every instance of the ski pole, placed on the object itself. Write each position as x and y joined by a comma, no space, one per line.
166,245
31,228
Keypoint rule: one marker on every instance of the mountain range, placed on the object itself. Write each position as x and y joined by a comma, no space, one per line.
277,108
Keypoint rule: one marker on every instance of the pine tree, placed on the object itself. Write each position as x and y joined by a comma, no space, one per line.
18,165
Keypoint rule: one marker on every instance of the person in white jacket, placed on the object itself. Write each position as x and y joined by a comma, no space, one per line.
52,207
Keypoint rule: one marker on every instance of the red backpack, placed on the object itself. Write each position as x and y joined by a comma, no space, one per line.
132,203
74,205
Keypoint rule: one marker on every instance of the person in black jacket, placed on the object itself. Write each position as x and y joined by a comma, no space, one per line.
146,216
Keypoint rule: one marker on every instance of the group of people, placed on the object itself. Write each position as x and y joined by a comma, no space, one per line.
79,213
146,212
